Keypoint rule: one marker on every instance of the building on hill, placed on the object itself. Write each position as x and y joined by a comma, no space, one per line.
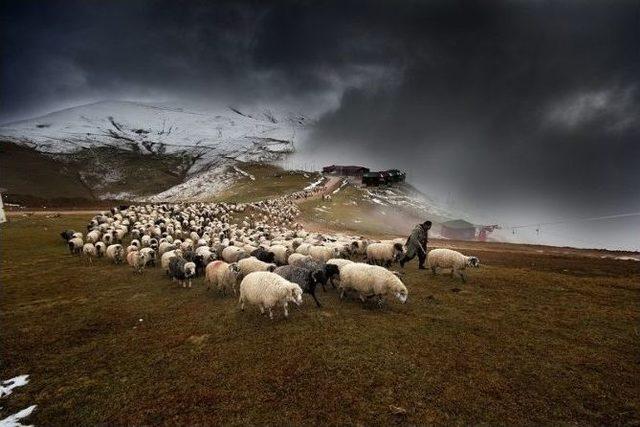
345,170
383,177
458,229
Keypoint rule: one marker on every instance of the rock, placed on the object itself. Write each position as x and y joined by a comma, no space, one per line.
397,410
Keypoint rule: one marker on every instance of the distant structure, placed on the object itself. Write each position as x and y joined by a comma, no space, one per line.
458,229
356,171
484,231
389,176
367,177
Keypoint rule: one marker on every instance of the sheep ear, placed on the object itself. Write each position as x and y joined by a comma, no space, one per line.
398,273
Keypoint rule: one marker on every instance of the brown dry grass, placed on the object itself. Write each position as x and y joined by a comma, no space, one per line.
524,342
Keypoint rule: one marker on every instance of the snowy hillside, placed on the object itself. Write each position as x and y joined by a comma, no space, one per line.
211,137
196,146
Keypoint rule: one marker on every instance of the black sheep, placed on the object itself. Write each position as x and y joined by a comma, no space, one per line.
329,271
67,235
264,255
307,279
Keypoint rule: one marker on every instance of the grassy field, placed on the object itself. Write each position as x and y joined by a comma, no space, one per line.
531,339
269,181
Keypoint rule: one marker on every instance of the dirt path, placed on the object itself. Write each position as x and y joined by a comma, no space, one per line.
53,212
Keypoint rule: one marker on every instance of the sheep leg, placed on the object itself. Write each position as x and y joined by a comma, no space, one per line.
362,298
462,276
380,300
241,304
285,308
261,307
316,300
270,313
433,270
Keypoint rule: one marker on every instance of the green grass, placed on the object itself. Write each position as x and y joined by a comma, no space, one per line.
348,210
531,339
269,181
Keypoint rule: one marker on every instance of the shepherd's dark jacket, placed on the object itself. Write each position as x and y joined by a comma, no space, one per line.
417,241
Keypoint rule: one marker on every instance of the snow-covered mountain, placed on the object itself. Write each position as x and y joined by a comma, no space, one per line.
207,141
229,133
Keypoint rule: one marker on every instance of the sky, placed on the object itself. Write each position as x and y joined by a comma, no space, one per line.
518,111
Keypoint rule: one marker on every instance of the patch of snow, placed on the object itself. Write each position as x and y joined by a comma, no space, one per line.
315,184
14,420
200,187
344,182
6,388
123,195
248,175
627,258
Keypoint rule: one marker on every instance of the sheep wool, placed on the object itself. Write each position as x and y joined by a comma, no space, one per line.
371,281
252,264
322,253
222,275
233,254
383,253
266,290
448,258
296,258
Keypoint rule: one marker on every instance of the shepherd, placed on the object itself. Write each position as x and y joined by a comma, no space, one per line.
417,245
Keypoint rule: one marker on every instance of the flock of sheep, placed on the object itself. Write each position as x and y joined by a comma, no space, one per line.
255,251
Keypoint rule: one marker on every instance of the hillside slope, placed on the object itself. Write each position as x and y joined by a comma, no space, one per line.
134,150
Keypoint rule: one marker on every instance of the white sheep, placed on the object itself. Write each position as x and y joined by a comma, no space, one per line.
323,253
266,290
89,251
448,258
303,248
75,245
383,253
93,236
371,281
251,264
164,247
281,253
340,262
115,253
101,248
222,275
139,259
166,258
233,254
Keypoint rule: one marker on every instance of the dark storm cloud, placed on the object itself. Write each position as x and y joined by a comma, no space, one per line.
492,100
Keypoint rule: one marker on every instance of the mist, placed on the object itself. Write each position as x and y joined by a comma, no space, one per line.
510,112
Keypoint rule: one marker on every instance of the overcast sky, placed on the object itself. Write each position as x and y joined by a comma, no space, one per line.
530,106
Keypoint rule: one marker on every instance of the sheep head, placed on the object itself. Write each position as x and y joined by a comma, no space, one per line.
295,294
473,261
